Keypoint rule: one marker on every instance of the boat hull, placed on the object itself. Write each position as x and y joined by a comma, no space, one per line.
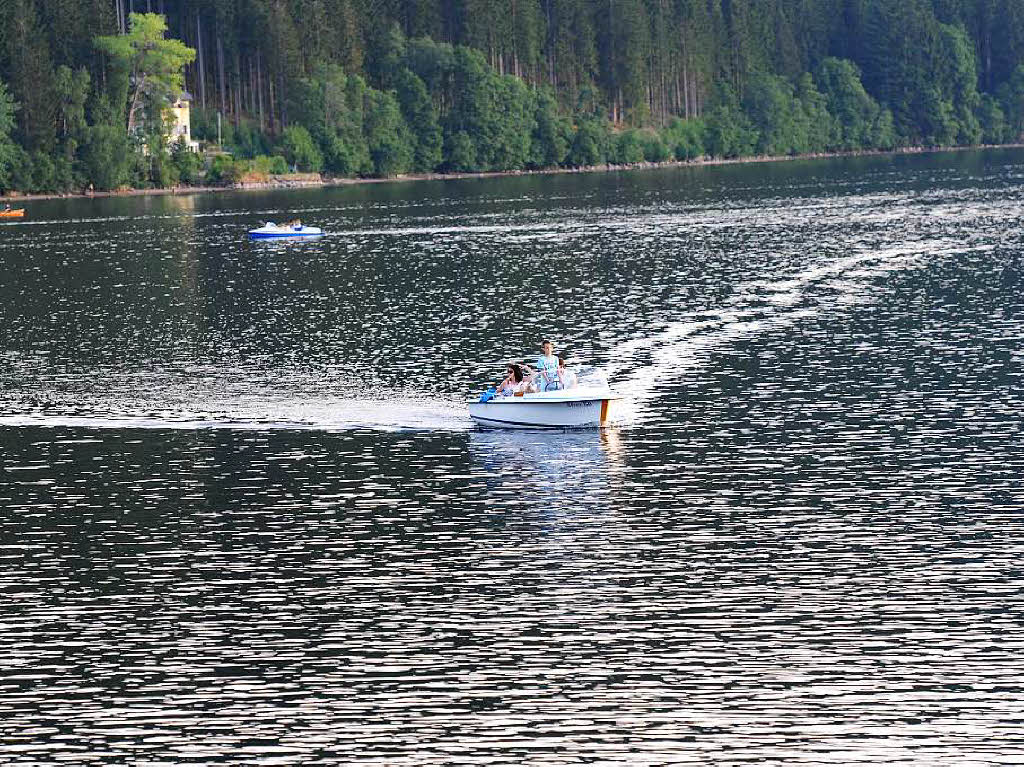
19,213
267,234
528,413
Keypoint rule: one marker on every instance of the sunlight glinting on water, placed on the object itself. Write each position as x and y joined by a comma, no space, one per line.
246,519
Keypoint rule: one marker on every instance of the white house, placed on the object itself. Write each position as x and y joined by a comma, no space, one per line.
181,122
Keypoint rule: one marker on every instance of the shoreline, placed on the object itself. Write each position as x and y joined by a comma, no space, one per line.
286,183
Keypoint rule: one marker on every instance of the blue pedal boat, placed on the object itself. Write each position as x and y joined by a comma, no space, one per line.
272,231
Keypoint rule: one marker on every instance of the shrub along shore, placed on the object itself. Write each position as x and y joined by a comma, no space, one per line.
308,180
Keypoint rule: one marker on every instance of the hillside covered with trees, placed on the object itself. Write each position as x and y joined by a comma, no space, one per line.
387,87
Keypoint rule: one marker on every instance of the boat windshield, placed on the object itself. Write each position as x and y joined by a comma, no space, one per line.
591,378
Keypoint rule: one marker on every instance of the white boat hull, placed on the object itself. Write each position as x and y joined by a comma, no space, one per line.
551,410
273,232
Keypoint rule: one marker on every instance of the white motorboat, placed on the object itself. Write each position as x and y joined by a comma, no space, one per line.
272,231
572,409
589,405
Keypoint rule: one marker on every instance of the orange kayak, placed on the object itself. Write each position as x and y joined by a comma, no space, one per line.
18,213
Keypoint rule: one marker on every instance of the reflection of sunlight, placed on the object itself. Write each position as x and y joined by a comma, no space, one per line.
186,203
542,463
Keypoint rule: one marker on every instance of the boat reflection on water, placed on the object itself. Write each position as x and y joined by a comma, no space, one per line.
543,465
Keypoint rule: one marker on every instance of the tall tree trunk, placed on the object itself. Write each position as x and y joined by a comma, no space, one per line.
270,84
282,101
259,87
202,61
220,72
238,88
686,89
140,84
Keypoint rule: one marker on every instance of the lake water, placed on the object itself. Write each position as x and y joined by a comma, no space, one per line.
244,517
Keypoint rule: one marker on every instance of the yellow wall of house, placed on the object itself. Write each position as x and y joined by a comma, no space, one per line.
182,121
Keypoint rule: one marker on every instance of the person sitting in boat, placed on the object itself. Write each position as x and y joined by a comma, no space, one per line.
513,383
294,224
566,378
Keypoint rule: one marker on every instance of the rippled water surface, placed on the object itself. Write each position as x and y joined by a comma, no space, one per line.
244,517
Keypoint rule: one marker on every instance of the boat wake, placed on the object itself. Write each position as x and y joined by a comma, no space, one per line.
180,404
649,364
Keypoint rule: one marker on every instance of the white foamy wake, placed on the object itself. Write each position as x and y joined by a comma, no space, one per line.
209,405
757,307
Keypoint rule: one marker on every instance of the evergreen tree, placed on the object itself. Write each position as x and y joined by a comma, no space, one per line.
8,149
154,63
26,65
846,100
388,137
552,134
421,117
500,84
299,149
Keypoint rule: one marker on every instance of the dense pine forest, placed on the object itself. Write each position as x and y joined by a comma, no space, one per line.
388,87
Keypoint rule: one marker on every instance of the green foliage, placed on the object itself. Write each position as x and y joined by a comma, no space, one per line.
298,148
388,137
330,105
247,140
225,170
590,145
27,67
155,64
1011,99
513,125
377,94
685,138
626,149
883,131
72,92
854,111
163,171
432,62
8,149
814,128
995,128
771,105
730,133
20,170
421,117
187,164
654,149
552,133
460,152
959,82
106,156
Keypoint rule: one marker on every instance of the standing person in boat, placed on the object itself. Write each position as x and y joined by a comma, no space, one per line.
546,373
566,377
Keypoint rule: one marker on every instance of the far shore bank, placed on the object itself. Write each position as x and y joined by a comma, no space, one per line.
285,182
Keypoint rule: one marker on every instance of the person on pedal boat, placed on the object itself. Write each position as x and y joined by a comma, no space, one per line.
513,383
545,377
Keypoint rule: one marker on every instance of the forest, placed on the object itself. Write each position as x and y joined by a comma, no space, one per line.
391,87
